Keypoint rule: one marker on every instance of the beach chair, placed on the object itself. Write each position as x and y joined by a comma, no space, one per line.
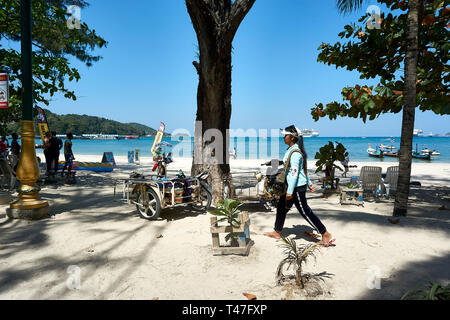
390,182
370,179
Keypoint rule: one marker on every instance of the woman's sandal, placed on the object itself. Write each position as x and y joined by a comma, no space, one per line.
312,235
329,244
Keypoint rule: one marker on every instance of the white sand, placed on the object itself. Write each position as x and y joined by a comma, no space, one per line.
120,256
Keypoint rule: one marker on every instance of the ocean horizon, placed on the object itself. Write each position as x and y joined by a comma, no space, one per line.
263,148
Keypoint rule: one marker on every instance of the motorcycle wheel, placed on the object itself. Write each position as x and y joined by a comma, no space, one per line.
205,201
149,208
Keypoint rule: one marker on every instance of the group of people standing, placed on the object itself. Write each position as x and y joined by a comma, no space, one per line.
52,146
14,149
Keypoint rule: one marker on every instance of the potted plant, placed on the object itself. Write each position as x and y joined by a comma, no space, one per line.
326,158
237,228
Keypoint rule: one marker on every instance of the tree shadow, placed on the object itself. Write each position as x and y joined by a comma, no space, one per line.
181,212
19,240
434,269
252,207
414,220
85,208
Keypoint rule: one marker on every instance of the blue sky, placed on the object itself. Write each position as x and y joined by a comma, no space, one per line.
146,74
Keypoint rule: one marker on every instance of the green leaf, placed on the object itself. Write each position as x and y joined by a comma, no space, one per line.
217,212
235,224
432,292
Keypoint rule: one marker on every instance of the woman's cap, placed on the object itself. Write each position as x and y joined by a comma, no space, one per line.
292,130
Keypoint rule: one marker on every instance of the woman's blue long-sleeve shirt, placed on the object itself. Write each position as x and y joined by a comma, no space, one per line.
295,176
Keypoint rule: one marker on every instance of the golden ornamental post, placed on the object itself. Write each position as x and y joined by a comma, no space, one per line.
28,206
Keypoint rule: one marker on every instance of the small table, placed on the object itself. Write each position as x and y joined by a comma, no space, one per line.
352,196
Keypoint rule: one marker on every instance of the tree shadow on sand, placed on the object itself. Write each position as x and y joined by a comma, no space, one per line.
19,240
85,209
416,273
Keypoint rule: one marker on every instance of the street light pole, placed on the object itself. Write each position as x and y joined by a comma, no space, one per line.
27,62
28,206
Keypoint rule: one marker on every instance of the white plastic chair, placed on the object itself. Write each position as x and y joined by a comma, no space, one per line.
370,179
390,182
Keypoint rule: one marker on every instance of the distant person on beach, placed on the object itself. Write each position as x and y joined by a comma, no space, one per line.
234,153
297,183
68,154
56,147
15,146
345,164
48,153
15,150
60,143
4,147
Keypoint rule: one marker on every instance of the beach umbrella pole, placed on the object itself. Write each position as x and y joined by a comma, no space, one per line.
28,206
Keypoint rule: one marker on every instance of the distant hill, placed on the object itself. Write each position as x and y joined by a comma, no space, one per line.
84,124
144,128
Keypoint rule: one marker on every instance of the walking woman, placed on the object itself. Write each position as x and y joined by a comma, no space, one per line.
298,181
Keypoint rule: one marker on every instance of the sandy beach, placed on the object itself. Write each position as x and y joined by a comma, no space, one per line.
121,256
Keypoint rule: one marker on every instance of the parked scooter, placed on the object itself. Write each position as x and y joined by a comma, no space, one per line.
268,174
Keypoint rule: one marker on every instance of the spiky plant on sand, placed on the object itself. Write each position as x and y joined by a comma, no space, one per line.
430,291
296,256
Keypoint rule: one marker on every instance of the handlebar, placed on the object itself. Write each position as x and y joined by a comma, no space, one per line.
269,163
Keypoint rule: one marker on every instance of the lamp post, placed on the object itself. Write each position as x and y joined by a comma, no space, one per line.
28,206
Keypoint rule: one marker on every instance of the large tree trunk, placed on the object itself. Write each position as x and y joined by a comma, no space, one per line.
215,23
405,158
213,120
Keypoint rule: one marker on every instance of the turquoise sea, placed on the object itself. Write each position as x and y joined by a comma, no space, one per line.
259,148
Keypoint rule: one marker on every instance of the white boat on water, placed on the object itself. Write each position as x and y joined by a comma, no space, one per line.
308,133
101,136
433,152
374,153
382,146
418,133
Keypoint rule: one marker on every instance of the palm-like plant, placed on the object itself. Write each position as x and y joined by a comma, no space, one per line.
430,291
228,210
326,158
295,256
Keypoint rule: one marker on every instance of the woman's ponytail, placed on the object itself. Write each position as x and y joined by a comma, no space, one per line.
305,156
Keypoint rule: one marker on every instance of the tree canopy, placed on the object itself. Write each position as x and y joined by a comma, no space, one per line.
53,44
381,53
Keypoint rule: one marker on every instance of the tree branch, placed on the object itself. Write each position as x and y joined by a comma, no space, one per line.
238,12
197,66
200,13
